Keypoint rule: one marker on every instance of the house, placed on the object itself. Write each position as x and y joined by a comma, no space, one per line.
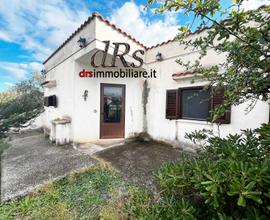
87,100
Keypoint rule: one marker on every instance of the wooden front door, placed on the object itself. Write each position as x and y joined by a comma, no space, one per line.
112,111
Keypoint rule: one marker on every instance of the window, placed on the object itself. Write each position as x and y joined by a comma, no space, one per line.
195,103
50,101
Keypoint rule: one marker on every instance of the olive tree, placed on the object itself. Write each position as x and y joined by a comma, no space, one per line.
22,103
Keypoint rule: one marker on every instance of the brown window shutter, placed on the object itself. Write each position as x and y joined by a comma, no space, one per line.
217,100
172,104
54,101
50,101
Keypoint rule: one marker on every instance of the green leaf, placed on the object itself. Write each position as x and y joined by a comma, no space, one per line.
241,201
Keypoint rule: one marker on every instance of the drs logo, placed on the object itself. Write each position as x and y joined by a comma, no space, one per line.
116,54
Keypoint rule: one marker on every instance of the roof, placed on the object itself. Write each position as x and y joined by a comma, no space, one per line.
97,15
90,18
180,74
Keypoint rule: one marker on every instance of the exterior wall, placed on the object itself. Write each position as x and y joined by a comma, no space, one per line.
64,67
66,64
64,90
86,115
61,68
169,130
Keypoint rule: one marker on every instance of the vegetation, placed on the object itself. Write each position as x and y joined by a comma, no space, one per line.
22,103
228,179
243,36
83,195
96,193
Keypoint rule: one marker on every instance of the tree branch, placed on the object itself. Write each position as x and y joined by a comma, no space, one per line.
232,33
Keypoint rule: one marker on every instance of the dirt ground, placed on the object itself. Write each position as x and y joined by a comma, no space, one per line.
137,161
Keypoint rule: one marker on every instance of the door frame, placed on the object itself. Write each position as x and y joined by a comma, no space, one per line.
123,113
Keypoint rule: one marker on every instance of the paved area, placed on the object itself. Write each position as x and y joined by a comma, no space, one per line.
138,160
32,161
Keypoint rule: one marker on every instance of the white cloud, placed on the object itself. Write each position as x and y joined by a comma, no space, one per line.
253,4
130,18
9,84
42,27
39,27
20,70
4,36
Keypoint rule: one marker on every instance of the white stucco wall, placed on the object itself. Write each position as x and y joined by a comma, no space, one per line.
66,64
163,129
85,115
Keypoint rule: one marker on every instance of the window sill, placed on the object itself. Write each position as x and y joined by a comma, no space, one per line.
194,121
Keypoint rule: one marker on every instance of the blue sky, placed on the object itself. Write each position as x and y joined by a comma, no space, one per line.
30,30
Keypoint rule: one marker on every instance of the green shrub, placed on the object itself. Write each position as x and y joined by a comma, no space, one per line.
228,179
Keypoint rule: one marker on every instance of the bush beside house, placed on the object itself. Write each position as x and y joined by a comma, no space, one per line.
228,179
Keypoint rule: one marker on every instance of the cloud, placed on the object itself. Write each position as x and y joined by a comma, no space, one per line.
253,4
130,17
4,36
20,70
39,27
9,84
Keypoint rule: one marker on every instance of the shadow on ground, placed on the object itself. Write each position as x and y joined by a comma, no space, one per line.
138,160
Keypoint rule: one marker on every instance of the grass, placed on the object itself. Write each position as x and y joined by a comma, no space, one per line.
96,193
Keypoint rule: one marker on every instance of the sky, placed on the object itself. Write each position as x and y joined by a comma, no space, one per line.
31,30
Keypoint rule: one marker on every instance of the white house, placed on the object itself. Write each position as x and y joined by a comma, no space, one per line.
84,109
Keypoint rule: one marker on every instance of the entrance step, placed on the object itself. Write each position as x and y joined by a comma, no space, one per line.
99,145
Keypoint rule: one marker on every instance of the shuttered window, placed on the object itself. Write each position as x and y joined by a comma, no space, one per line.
50,101
53,101
194,104
172,104
217,100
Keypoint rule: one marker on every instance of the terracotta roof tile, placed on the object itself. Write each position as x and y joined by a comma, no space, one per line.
179,74
97,15
90,18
